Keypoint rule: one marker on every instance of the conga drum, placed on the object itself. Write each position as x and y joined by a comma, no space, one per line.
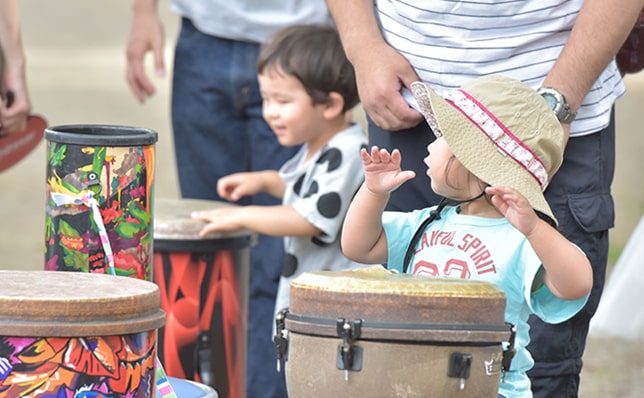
72,334
204,291
375,333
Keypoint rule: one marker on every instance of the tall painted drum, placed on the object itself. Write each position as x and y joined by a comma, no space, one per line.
77,335
204,291
374,333
100,181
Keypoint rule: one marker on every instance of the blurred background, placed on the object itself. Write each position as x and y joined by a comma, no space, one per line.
76,75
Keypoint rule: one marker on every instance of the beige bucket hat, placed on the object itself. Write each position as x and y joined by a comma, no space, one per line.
501,130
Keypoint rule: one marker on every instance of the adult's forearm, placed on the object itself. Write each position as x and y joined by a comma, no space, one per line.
145,6
600,29
10,41
357,24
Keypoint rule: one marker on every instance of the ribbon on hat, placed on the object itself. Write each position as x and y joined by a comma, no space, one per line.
500,135
87,198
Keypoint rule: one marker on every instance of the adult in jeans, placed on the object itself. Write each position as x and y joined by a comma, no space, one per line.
14,97
565,45
218,126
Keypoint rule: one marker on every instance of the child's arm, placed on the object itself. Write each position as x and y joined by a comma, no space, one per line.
568,271
234,186
267,220
363,237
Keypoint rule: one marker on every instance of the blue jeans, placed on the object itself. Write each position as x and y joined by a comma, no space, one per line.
218,129
580,197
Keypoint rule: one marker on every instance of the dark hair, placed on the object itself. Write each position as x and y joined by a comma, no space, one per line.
313,54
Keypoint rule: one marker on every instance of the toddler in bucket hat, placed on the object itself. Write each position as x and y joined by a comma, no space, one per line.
498,144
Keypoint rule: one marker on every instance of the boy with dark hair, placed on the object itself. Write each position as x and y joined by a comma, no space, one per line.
308,87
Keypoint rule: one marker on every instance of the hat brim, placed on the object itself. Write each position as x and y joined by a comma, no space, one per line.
475,150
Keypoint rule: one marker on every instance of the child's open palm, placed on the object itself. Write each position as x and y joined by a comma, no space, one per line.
382,170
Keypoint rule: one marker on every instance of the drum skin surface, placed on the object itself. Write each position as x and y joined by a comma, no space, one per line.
412,332
77,334
173,220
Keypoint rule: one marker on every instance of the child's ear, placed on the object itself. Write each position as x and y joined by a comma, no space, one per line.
334,105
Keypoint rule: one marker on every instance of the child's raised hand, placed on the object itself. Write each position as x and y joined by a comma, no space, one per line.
235,186
514,207
382,170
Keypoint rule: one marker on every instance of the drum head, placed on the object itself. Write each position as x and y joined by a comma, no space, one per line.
76,304
417,308
173,219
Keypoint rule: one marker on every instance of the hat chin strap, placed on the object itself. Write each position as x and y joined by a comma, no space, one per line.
433,215
458,203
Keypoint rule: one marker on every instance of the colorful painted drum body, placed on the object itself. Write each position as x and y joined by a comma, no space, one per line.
100,182
374,333
204,291
77,335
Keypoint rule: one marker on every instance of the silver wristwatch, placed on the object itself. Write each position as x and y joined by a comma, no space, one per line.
558,103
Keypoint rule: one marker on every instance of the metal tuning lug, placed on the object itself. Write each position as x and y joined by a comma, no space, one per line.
349,355
280,340
459,366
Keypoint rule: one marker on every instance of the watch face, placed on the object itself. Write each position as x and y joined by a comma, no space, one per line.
558,104
551,100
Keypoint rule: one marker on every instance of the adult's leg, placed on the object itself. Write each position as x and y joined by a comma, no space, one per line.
412,143
218,130
209,139
580,198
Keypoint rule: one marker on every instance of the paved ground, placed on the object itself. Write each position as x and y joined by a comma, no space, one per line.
76,64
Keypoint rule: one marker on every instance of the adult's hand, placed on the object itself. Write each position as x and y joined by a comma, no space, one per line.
15,105
381,75
14,98
381,71
146,34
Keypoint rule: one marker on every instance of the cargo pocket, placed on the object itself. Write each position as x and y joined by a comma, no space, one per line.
593,212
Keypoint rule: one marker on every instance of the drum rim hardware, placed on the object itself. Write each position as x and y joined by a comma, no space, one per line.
350,355
375,330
